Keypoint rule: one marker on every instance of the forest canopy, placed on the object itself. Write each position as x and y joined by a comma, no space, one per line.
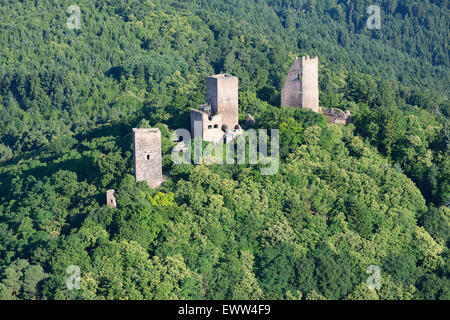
375,192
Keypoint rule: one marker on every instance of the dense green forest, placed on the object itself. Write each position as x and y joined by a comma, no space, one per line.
376,192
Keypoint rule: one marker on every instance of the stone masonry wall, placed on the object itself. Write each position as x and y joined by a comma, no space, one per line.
147,156
111,199
310,83
301,88
222,93
291,95
208,127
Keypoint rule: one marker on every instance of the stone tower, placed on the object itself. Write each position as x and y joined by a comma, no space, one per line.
222,94
301,88
111,199
147,156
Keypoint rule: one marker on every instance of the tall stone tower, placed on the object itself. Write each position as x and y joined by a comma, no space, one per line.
222,93
301,88
147,156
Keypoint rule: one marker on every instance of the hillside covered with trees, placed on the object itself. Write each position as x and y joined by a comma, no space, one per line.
375,192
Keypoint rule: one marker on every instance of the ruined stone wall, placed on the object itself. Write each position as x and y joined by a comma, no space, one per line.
111,199
196,116
222,93
208,126
337,116
147,156
292,90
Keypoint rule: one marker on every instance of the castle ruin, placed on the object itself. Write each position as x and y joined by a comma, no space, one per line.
301,88
337,116
219,116
111,199
147,156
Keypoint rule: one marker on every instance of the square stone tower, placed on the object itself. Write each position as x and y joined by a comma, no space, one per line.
222,94
147,156
301,88
111,199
